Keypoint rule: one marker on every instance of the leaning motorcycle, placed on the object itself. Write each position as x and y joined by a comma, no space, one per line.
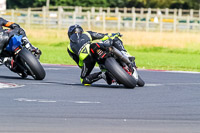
23,62
117,66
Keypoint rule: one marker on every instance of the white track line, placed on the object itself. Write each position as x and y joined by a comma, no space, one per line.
53,101
34,100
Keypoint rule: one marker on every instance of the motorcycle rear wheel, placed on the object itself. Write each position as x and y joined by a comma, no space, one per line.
140,82
119,73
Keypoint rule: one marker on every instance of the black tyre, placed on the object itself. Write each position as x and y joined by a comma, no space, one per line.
140,82
119,73
32,64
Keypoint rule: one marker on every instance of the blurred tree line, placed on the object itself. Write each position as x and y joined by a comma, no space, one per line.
184,4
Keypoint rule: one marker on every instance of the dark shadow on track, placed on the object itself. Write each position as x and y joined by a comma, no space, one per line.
108,86
93,85
96,85
14,77
111,86
60,83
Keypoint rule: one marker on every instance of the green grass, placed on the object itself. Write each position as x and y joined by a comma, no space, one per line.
148,58
166,59
55,53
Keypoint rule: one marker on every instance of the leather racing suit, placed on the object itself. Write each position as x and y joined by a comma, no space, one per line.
79,48
14,29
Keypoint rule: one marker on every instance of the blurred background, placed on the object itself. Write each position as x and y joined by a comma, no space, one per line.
170,27
143,15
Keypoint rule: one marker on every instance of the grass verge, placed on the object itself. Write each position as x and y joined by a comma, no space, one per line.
185,55
166,58
147,58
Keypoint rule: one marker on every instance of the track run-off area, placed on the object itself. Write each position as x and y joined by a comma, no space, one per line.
168,103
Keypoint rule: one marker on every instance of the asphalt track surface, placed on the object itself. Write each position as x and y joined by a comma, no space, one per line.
169,103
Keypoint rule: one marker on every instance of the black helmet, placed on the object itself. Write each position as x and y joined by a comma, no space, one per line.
74,29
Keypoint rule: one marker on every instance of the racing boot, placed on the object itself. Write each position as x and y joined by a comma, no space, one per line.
1,61
107,78
23,74
91,78
9,62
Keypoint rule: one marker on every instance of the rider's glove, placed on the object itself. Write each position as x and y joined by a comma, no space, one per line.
31,48
21,32
37,52
107,43
117,34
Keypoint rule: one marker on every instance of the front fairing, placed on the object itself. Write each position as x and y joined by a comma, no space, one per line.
14,43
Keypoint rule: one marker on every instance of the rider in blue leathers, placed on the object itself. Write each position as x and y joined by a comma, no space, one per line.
5,35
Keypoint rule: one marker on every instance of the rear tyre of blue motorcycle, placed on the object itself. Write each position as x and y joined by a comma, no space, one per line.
119,73
32,64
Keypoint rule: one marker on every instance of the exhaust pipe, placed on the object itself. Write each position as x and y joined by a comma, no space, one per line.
120,55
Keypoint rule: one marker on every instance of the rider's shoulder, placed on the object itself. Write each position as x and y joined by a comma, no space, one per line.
87,32
73,38
90,32
1,19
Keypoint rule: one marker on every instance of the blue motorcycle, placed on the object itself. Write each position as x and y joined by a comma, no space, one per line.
23,62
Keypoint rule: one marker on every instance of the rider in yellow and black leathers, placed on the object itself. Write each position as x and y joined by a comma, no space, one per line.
79,50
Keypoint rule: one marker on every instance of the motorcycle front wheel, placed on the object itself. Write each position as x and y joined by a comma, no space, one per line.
32,64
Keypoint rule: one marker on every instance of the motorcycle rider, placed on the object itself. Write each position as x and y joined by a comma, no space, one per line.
79,47
5,35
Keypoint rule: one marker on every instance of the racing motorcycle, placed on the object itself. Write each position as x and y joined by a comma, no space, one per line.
23,62
117,66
